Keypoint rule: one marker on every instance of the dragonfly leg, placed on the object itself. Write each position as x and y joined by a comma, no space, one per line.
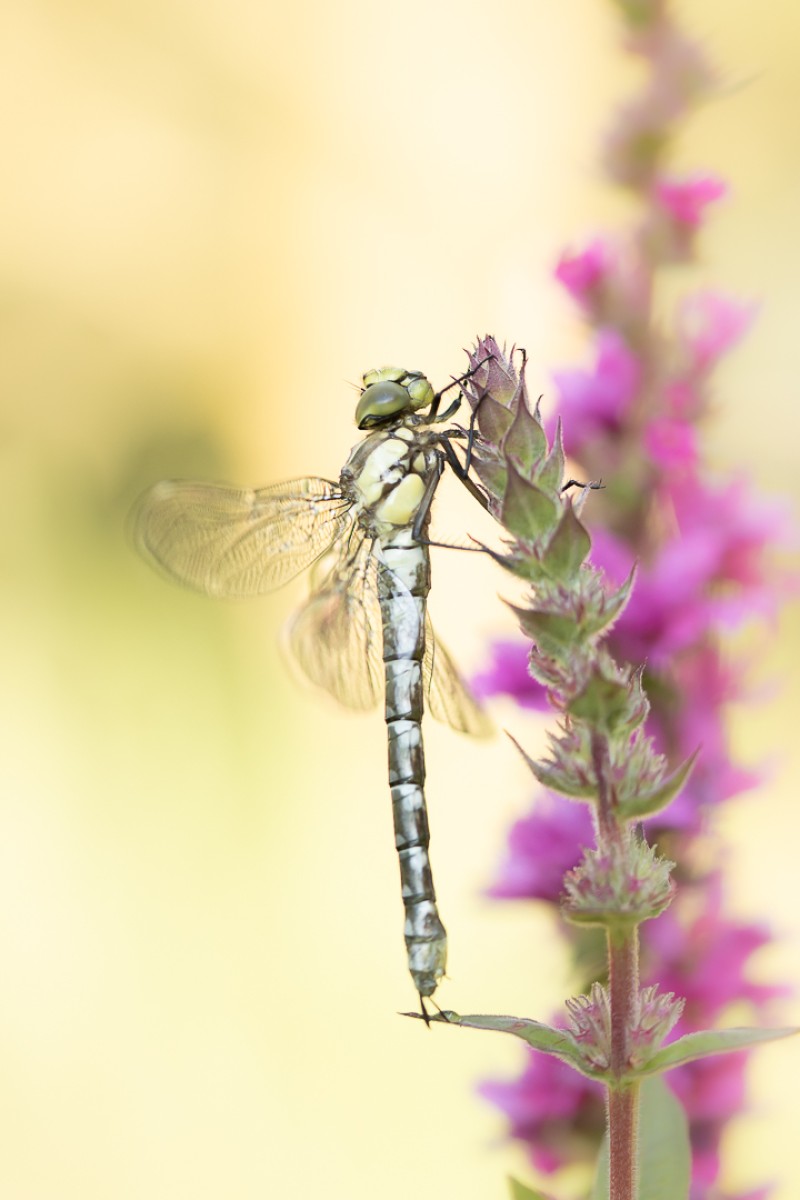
417,530
433,412
461,471
426,1016
594,484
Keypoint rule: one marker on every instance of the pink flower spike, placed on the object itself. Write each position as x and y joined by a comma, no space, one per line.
709,324
542,847
509,675
581,272
556,1111
672,444
687,199
595,401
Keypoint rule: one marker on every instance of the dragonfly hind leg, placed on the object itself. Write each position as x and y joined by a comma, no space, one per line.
426,1016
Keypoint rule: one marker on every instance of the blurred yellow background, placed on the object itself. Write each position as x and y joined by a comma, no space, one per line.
213,217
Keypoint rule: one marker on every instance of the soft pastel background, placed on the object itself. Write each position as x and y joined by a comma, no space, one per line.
213,217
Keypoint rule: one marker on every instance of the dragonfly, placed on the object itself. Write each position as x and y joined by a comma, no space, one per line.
364,633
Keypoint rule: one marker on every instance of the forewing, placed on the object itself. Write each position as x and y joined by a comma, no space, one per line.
449,698
336,637
238,541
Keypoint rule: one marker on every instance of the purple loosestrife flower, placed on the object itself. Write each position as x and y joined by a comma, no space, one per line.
554,1110
599,399
542,847
708,326
585,273
702,550
508,675
687,199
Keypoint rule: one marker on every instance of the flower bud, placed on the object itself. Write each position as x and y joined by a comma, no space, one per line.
618,886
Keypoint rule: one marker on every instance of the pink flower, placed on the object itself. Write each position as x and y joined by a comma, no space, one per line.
687,199
739,529
542,847
596,401
508,675
556,1111
671,443
705,960
670,606
709,324
583,271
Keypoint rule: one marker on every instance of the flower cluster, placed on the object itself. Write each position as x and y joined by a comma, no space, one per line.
631,416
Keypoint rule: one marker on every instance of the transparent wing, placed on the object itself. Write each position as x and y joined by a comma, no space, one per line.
238,541
449,698
337,637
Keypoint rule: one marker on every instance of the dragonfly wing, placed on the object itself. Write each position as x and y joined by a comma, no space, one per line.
449,698
336,637
238,541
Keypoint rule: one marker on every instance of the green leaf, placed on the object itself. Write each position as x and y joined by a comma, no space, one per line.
518,1191
644,804
538,1036
665,1157
527,512
550,631
493,475
603,703
525,441
556,779
567,548
612,607
711,1041
494,420
551,473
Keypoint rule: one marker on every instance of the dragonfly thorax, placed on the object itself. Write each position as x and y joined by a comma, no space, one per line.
391,392
387,475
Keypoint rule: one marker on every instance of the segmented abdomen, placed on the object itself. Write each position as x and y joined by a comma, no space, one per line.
404,582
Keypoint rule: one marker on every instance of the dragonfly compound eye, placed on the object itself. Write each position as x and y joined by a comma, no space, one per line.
380,401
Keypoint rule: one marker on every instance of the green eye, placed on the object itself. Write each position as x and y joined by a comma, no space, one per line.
389,391
380,401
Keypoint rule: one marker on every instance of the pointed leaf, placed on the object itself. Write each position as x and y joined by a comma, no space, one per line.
494,421
493,475
538,1036
550,475
525,441
527,512
525,566
555,779
550,631
644,804
711,1041
604,618
603,703
518,1191
567,548
665,1156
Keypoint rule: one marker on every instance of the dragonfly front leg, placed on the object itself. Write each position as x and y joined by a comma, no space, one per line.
461,471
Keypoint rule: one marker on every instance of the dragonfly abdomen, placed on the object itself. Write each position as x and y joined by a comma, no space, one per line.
403,581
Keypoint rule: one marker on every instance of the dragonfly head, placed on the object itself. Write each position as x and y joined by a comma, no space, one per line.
391,392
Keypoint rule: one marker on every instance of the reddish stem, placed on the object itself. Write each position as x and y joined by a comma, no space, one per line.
623,1101
623,990
623,1141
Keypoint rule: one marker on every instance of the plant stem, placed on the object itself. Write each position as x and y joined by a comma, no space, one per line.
623,990
623,1101
623,986
623,1141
